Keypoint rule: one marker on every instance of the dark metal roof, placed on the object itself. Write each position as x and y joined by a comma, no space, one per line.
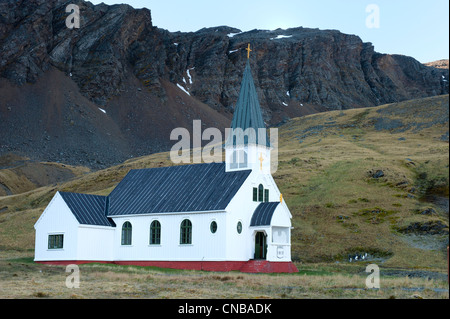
88,209
247,114
188,188
262,215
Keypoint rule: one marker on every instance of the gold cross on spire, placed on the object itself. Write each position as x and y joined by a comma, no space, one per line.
248,51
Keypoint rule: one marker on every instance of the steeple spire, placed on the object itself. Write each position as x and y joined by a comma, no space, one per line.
247,114
247,145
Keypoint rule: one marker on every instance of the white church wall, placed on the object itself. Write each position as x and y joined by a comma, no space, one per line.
205,246
241,208
280,239
57,219
95,243
256,158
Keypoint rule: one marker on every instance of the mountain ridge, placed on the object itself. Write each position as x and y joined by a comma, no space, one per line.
149,81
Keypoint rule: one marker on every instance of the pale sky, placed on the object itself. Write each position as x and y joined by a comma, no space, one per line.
416,28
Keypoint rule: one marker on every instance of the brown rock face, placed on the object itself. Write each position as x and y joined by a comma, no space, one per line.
439,64
118,61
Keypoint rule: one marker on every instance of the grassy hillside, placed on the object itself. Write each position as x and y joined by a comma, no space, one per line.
20,174
354,180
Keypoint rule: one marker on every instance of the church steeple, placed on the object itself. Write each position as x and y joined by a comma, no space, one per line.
247,114
248,142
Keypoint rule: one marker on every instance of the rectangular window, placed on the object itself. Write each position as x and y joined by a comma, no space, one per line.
266,195
55,241
242,159
255,194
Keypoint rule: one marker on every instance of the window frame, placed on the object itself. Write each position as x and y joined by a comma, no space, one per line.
213,229
155,233
239,227
56,244
234,160
266,194
260,193
243,159
186,232
127,234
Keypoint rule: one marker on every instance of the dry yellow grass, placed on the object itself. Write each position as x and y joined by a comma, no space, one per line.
20,279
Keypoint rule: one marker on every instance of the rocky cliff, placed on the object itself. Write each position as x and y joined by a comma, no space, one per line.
117,86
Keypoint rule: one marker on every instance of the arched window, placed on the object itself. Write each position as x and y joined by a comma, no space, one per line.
126,233
260,193
186,232
155,233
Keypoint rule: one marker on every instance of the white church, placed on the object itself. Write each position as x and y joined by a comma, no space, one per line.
216,217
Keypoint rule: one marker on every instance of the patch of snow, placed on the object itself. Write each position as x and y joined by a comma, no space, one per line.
285,104
70,74
288,94
102,110
189,75
281,37
183,89
301,104
232,51
230,35
184,80
176,44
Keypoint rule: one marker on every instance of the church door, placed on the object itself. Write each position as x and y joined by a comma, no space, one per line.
260,245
